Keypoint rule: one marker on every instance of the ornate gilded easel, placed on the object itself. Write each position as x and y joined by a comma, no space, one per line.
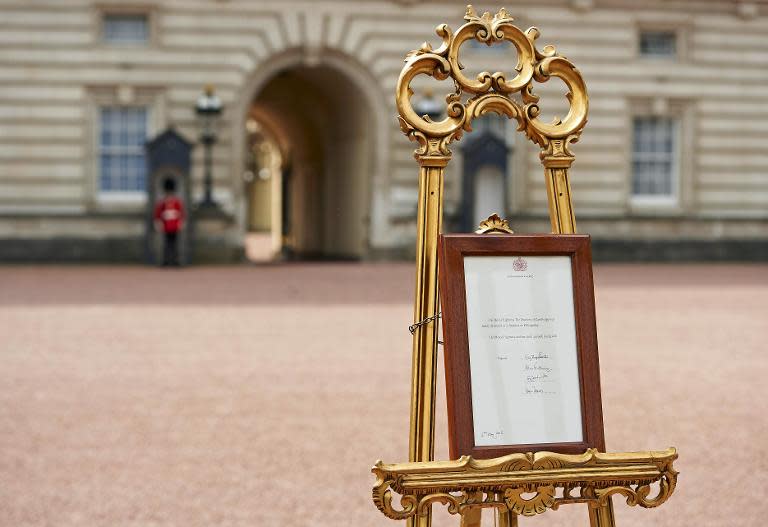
467,485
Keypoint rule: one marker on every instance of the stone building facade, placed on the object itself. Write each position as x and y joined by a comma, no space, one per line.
672,163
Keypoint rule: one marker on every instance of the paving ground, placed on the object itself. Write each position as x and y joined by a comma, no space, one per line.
261,395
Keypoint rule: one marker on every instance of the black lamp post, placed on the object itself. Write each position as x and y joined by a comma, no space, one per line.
208,109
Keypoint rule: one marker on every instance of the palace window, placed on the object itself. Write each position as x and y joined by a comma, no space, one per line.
126,28
123,130
658,44
654,158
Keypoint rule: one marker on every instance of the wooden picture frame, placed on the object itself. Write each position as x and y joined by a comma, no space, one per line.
536,367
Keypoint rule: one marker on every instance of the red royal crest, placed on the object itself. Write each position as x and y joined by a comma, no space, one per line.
519,264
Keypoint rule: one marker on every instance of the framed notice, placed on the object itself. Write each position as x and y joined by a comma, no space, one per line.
521,364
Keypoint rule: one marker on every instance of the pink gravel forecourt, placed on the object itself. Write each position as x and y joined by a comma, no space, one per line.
261,395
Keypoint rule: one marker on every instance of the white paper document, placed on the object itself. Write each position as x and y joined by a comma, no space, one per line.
522,350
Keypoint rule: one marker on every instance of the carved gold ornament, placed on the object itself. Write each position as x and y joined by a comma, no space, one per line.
491,92
552,480
494,225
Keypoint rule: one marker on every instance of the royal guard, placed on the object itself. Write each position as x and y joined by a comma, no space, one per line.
169,219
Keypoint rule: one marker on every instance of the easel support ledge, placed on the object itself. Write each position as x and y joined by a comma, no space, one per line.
466,485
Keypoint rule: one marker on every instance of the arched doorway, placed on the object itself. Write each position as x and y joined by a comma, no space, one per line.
309,158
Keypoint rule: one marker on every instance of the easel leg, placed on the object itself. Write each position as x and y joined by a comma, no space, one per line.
471,517
602,516
420,521
507,518
424,362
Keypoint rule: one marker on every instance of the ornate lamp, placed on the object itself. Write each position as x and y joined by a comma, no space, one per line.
208,109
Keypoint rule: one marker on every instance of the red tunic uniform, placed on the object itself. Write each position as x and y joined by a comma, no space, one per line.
170,212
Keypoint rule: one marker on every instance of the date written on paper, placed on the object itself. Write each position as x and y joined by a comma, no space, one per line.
498,434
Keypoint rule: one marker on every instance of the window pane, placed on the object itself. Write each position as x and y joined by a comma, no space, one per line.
104,180
126,28
636,131
141,131
124,172
106,129
122,162
141,171
114,126
653,162
666,183
658,43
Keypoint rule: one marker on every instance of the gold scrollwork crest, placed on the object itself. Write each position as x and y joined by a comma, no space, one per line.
491,92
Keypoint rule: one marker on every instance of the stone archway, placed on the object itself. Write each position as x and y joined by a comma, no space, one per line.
327,121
